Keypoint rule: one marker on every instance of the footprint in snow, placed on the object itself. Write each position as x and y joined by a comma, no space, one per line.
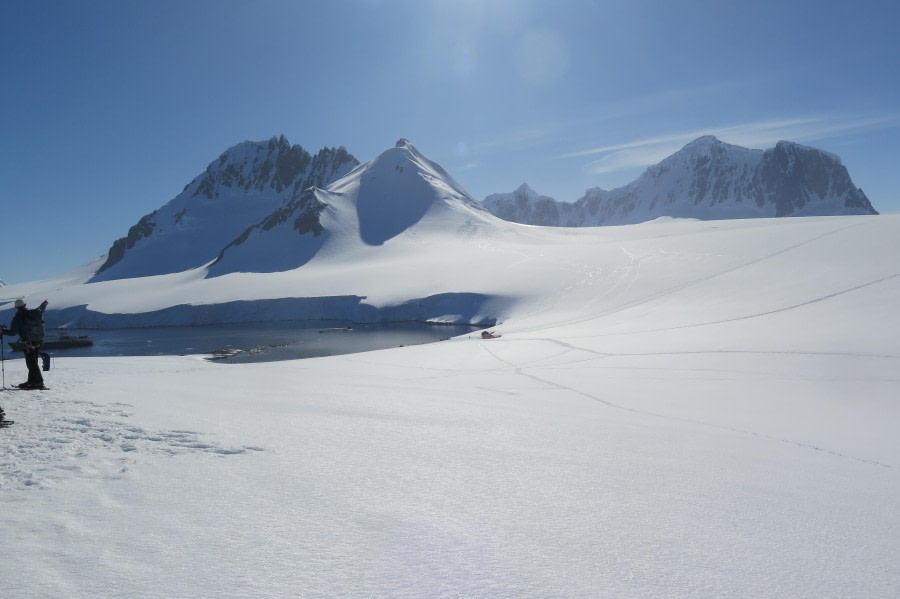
62,439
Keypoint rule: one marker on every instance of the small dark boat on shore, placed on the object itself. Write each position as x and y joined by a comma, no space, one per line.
58,342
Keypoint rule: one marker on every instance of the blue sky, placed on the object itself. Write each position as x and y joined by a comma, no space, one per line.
109,108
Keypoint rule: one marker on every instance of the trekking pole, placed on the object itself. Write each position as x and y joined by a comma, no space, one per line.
2,360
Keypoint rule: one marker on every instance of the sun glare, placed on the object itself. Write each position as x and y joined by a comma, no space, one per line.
541,57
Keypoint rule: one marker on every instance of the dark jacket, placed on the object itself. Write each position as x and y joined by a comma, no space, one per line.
17,326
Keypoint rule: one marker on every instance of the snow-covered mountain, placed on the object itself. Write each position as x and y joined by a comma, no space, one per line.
311,252
400,215
399,192
707,179
524,205
271,207
244,185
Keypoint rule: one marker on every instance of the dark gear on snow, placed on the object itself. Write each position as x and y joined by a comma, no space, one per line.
34,327
29,326
2,355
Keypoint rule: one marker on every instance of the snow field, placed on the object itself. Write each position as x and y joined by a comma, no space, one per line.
472,473
673,409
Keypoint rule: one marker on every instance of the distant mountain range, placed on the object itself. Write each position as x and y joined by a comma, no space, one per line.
707,179
271,206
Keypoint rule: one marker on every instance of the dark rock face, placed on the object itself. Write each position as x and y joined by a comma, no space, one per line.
275,164
707,179
793,178
144,228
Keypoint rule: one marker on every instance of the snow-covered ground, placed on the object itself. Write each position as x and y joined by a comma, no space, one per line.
676,409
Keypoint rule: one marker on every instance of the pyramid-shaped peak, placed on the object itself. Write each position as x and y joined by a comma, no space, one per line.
396,189
404,150
404,162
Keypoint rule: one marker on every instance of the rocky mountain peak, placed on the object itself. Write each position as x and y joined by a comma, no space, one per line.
799,178
274,164
526,205
244,185
706,179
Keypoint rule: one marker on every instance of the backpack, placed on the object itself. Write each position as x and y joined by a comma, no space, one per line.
34,326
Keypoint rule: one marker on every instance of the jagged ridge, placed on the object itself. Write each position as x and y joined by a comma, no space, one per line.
244,185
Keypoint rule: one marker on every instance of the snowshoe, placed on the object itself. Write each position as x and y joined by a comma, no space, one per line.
32,386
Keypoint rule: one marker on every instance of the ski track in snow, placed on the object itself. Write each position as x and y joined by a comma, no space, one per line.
55,438
663,293
521,371
759,314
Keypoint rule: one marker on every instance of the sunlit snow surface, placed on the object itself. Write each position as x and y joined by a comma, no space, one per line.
682,409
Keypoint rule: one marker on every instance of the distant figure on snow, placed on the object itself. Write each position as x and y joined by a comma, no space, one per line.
29,326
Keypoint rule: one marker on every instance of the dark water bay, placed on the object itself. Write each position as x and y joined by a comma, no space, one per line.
256,342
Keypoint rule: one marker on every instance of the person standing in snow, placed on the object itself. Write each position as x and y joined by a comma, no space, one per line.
29,326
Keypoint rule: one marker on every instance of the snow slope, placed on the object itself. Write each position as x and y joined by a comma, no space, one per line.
677,409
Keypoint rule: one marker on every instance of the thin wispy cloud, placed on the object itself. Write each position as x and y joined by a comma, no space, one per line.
684,137
466,167
522,137
760,134
536,134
